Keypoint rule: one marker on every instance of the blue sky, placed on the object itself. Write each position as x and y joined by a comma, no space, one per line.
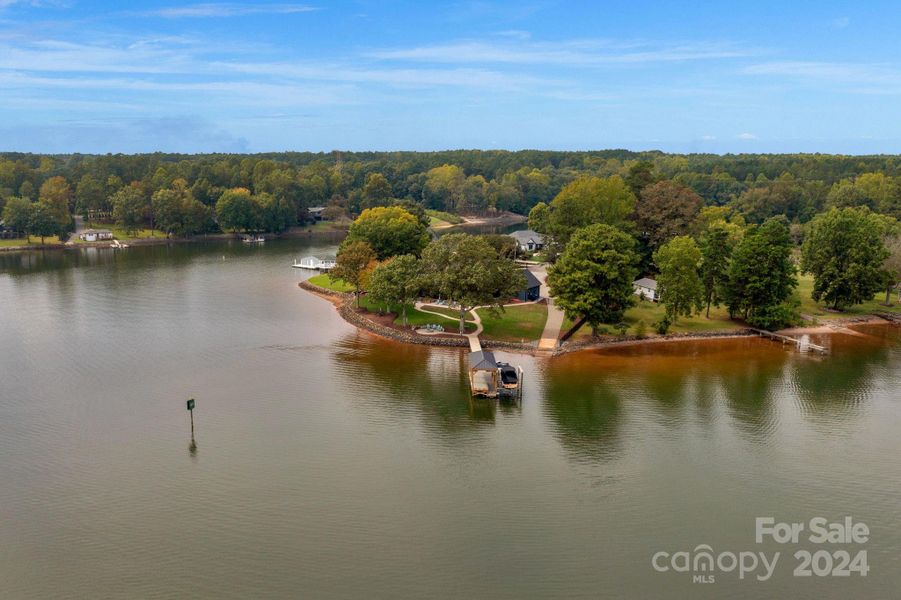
379,75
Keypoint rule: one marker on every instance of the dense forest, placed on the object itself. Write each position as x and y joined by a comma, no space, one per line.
279,187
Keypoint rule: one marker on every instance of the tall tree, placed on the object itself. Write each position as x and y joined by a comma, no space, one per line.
90,196
17,214
129,207
716,253
467,271
640,176
396,282
679,285
56,195
593,277
376,191
236,210
762,276
42,221
389,230
844,251
665,210
352,264
586,201
892,266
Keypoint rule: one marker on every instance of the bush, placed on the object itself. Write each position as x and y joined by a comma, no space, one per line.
622,328
641,329
662,326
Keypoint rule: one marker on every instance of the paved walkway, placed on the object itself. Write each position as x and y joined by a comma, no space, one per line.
474,344
548,341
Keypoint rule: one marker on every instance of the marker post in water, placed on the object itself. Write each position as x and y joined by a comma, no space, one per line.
190,405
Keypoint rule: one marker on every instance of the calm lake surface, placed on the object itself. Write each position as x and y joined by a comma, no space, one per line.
333,464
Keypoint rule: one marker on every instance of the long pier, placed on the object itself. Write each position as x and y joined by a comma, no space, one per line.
790,340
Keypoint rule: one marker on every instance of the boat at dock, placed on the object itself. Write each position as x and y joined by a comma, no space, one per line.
489,378
253,239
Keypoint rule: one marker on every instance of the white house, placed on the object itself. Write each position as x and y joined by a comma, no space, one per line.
528,240
95,235
315,263
645,287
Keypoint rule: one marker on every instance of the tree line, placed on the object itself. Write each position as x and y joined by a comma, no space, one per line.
282,186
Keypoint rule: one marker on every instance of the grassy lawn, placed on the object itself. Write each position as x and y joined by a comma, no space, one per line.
816,309
441,218
35,241
326,226
414,317
450,312
651,312
336,285
516,323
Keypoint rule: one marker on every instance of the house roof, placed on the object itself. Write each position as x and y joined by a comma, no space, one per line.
646,282
482,360
96,231
527,235
531,280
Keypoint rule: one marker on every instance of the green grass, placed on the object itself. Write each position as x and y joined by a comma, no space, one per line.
414,317
651,312
335,285
35,241
515,323
817,309
120,234
438,218
450,312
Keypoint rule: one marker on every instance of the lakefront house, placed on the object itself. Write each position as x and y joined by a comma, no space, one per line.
646,288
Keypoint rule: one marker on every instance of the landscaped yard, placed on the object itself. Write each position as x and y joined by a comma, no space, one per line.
652,312
415,317
523,323
439,218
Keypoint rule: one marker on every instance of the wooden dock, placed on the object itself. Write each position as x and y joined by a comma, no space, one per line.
801,345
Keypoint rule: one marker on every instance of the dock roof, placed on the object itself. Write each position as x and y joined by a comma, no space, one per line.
482,360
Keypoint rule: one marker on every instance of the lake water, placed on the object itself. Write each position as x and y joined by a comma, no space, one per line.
333,464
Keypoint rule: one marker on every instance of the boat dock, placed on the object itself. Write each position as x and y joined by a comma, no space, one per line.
802,345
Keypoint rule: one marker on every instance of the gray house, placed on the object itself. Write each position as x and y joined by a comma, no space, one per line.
528,240
646,287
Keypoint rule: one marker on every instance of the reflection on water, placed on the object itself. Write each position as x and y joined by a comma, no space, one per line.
338,464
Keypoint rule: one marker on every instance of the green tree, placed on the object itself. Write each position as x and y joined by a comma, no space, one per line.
593,276
42,221
681,290
539,218
376,191
665,210
465,270
56,195
844,250
716,253
90,196
586,201
17,214
236,210
640,176
396,282
762,276
353,262
389,230
129,207
277,213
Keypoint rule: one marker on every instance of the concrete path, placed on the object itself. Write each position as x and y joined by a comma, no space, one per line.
548,341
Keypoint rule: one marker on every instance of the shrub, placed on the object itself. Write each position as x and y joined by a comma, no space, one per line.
641,329
662,326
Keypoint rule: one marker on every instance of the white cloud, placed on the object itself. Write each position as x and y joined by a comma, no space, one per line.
228,10
572,52
746,136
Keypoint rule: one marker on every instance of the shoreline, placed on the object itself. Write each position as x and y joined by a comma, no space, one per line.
343,302
293,233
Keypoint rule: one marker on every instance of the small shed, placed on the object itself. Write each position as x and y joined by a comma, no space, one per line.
646,288
483,374
95,235
528,240
532,290
316,212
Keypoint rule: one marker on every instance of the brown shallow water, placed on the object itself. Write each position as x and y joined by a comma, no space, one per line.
333,464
